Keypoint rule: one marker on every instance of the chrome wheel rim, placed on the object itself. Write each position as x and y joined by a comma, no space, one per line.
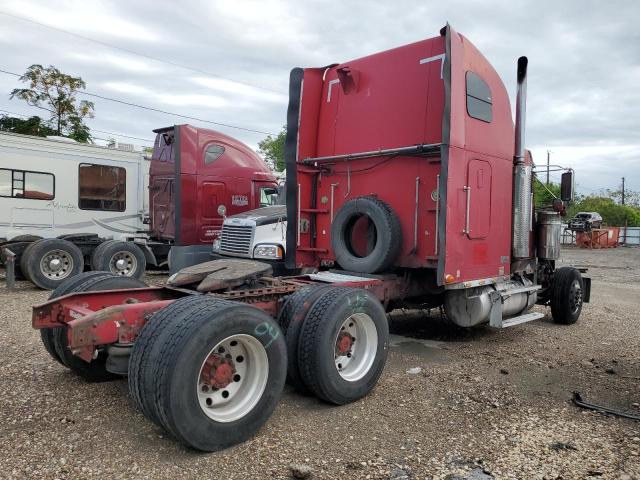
232,378
123,263
56,264
356,346
575,297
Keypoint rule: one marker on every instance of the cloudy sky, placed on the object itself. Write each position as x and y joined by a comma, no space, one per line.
584,63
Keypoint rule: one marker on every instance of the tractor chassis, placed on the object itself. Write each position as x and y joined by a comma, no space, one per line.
101,318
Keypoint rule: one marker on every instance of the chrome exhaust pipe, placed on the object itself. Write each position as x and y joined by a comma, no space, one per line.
522,174
521,110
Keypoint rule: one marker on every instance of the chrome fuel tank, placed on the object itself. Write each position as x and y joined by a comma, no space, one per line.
472,306
548,232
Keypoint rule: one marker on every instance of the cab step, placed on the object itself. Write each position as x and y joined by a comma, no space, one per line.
510,322
499,296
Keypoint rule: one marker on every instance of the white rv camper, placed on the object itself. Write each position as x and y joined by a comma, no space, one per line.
75,197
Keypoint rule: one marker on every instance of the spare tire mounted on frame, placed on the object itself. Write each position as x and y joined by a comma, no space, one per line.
366,235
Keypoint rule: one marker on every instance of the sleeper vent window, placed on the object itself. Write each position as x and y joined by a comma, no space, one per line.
102,187
479,99
213,153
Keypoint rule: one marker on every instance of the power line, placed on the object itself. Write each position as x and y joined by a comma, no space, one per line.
123,136
93,129
130,104
188,117
144,55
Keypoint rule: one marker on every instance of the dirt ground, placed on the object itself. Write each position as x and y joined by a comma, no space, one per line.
486,404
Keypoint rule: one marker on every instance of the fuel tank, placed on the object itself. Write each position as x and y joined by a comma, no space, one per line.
548,232
471,306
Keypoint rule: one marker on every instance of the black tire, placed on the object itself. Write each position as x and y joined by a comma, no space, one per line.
386,227
318,343
567,295
103,258
190,336
24,258
47,334
94,371
26,238
94,260
290,320
150,340
72,262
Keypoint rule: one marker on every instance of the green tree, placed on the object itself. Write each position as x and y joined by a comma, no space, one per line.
543,195
35,126
55,92
272,149
631,197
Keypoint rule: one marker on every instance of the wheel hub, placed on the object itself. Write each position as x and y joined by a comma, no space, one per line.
344,343
55,264
123,263
575,299
218,371
232,378
355,347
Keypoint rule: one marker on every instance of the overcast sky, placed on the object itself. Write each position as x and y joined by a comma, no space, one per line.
584,63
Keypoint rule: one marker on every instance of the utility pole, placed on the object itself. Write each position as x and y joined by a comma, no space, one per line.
548,157
622,190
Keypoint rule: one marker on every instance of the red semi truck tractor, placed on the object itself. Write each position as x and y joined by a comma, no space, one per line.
407,185
196,178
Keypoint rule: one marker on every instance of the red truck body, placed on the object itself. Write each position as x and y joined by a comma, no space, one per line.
415,95
193,173
189,182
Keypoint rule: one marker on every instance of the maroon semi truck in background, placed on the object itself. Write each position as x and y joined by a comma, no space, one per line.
197,177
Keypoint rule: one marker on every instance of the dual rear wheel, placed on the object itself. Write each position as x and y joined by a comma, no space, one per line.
55,340
211,371
49,262
337,342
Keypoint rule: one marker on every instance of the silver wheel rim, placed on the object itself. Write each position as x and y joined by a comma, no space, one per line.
56,264
241,360
356,346
123,263
575,297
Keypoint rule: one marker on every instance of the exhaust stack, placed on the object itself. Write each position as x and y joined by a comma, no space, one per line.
522,197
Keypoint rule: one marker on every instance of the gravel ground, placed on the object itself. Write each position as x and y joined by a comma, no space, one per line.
486,404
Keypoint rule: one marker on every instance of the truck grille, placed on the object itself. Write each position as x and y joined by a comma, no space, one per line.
236,240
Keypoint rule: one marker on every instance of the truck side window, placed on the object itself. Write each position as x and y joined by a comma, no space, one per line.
212,153
102,187
25,184
268,196
479,100
163,147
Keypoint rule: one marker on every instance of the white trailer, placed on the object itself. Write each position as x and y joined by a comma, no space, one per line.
87,203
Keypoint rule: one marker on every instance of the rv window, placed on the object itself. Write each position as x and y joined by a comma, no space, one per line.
479,100
212,153
29,185
268,196
102,187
